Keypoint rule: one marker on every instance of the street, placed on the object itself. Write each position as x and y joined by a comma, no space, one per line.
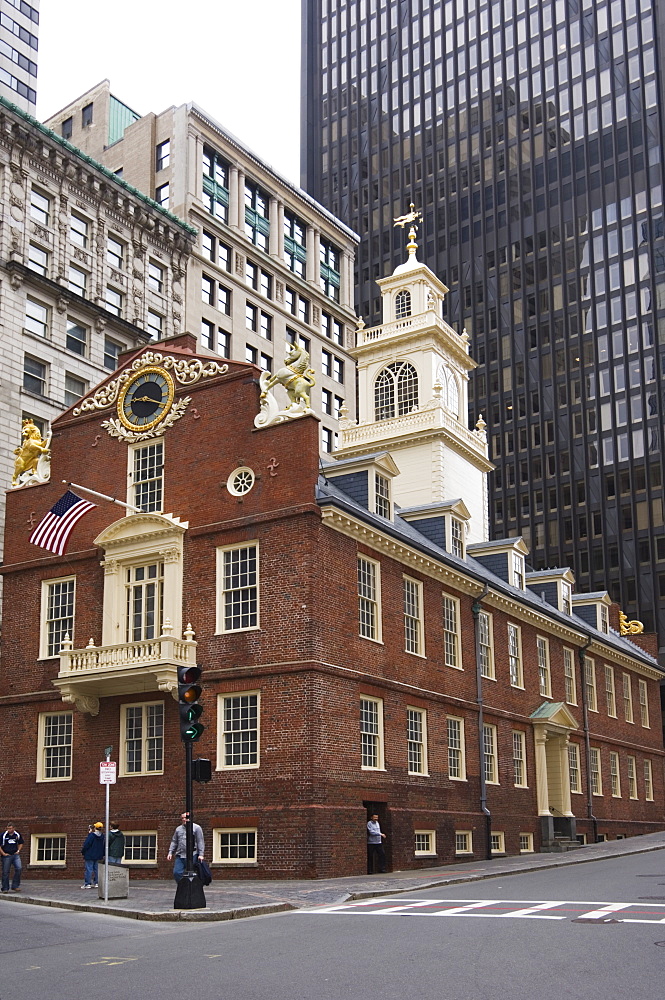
594,931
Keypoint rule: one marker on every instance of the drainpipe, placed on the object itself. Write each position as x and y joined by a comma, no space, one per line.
476,608
581,652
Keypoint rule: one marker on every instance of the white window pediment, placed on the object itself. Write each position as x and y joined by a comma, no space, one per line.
138,540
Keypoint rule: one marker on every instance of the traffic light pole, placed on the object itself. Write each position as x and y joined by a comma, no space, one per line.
189,893
189,806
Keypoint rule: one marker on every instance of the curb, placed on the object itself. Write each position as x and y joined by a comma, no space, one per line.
164,916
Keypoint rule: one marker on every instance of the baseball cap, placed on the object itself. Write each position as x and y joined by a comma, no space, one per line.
99,826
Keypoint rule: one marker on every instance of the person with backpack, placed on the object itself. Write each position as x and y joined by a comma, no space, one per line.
116,844
11,843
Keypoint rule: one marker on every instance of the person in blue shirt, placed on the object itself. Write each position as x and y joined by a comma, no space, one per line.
11,843
93,851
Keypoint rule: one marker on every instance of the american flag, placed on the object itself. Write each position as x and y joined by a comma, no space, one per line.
54,529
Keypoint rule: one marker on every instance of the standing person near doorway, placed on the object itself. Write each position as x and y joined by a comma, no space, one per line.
11,843
375,845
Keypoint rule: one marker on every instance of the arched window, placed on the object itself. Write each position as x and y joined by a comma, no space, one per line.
450,394
402,304
395,391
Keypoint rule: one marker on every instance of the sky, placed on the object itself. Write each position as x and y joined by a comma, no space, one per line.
239,60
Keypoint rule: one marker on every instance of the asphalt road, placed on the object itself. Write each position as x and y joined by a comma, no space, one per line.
561,932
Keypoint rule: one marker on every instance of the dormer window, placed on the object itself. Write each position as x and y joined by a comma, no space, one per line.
381,495
604,616
566,598
518,570
456,537
395,391
402,304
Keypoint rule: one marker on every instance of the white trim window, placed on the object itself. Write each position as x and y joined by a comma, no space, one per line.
413,616
371,734
140,847
615,780
526,843
648,781
544,673
142,738
146,476
48,849
574,768
632,778
566,598
457,537
54,746
451,637
238,587
596,772
519,758
518,570
569,676
234,845
456,749
416,736
369,598
644,703
424,842
497,842
381,494
610,693
144,601
515,655
486,642
590,683
58,602
628,699
463,842
239,717
490,762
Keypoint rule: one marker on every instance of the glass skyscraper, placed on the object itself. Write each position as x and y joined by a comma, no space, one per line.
529,133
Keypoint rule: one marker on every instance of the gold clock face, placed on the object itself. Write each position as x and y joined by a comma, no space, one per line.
146,399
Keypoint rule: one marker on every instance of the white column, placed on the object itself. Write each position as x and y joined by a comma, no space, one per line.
313,241
541,773
566,804
346,292
233,198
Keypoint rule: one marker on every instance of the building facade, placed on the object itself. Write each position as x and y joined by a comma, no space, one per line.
358,657
269,266
80,254
529,134
19,43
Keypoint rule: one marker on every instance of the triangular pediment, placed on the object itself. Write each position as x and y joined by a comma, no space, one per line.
139,527
555,713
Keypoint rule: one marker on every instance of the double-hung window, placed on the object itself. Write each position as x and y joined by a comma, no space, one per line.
371,733
238,587
239,730
596,774
57,614
40,207
574,767
615,780
147,476
78,230
54,760
590,684
632,777
644,702
490,762
519,758
544,675
648,781
115,253
36,318
416,726
569,676
610,695
369,615
627,698
142,738
456,749
144,590
77,338
451,638
485,641
413,616
515,655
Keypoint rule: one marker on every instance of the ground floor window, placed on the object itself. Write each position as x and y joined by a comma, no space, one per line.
234,846
463,842
526,843
425,842
140,846
497,843
48,849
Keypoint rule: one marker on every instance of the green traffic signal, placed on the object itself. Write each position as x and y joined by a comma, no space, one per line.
189,710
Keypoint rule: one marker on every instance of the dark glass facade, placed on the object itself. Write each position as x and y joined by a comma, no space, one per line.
529,133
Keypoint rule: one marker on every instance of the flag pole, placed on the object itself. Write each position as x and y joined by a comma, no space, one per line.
103,496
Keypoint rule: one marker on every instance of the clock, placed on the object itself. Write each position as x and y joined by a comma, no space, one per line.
146,399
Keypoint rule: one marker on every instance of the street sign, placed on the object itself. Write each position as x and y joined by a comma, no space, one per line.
107,772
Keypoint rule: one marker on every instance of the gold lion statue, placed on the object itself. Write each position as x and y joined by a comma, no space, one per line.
33,446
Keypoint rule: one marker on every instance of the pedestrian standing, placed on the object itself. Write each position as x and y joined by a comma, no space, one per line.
93,850
11,843
178,847
116,844
375,845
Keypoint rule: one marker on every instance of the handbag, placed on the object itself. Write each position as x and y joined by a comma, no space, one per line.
204,873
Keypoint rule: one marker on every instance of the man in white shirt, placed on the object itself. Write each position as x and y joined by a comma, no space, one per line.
375,845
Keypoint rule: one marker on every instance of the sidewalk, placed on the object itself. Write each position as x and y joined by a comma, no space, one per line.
229,900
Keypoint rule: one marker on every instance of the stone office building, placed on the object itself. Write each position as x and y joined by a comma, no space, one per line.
269,265
365,647
85,259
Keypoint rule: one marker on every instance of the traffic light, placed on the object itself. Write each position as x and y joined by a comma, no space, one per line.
189,692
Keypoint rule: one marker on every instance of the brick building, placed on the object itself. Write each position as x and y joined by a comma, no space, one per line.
365,647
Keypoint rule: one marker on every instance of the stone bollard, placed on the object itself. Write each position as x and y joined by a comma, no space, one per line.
118,881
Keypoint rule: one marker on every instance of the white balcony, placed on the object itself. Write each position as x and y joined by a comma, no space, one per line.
86,675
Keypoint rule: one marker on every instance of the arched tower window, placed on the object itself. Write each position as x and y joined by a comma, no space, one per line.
395,391
402,304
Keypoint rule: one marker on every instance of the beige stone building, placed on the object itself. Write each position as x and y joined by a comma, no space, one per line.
270,265
85,261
